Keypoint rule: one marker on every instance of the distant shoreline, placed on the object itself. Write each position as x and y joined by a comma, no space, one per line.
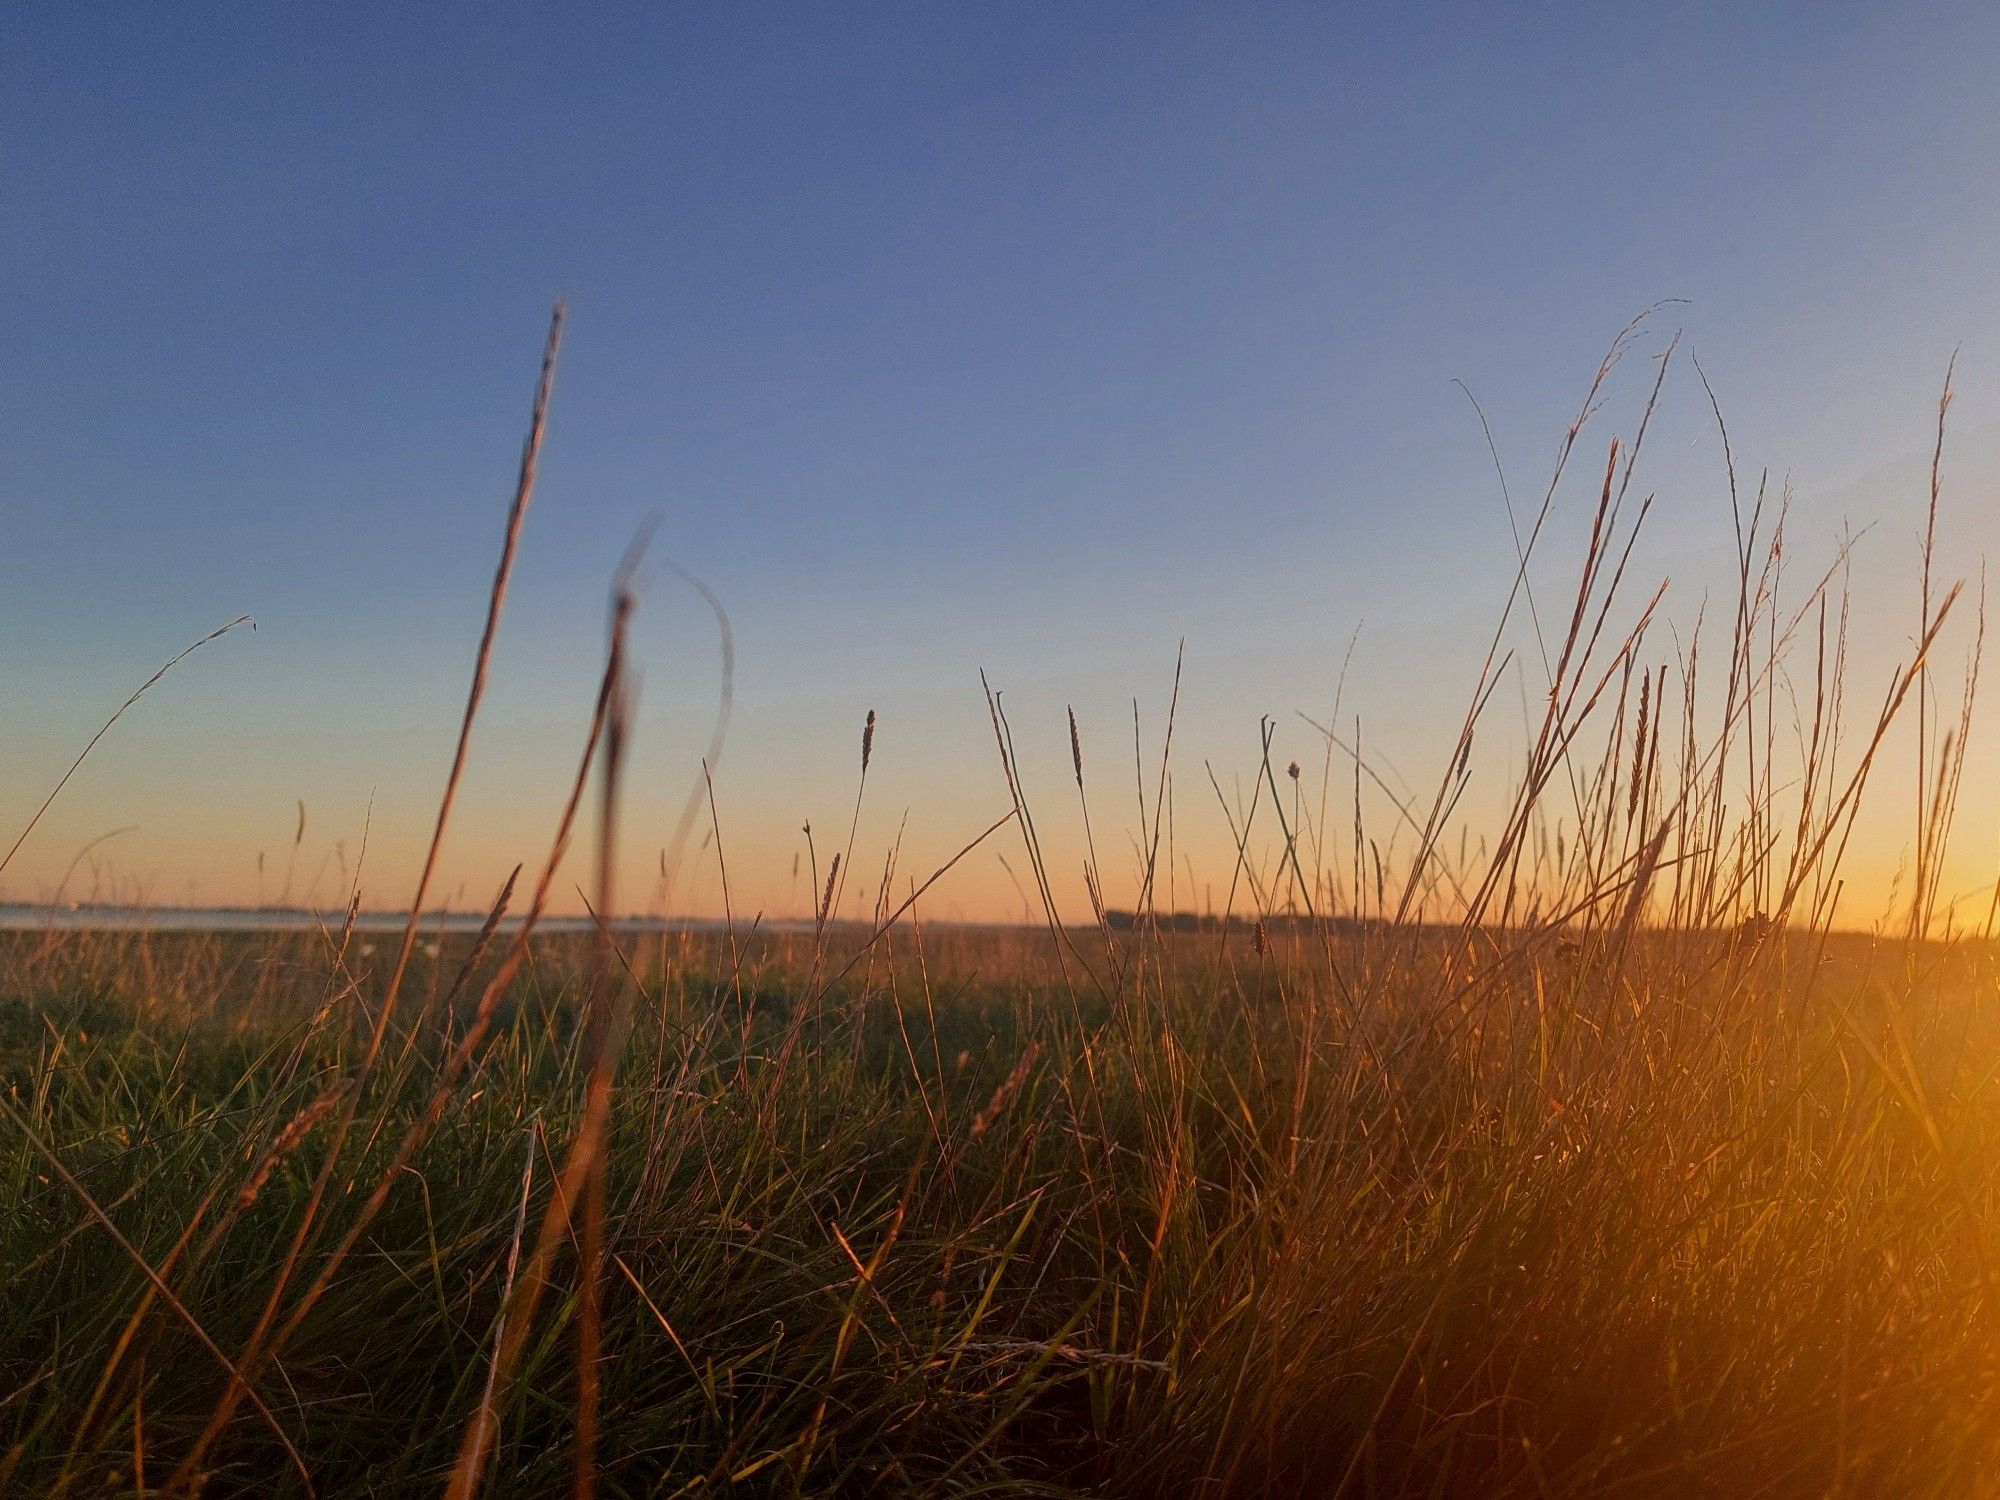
20,916
24,916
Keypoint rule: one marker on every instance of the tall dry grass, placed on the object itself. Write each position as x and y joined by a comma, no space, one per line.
1585,1160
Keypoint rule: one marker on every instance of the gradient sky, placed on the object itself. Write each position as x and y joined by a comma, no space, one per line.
937,338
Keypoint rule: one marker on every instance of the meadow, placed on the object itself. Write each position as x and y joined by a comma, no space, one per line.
1581,1157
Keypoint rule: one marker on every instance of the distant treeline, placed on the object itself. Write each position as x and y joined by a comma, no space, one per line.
1195,921
1191,921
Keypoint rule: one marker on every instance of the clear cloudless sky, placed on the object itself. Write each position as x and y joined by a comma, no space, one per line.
937,338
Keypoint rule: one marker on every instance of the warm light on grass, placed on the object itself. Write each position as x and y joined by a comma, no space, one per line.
1581,1159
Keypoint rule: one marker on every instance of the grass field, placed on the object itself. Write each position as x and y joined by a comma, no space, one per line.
1584,1160
1725,1222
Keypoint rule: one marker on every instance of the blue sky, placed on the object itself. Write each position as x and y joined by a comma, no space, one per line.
1030,339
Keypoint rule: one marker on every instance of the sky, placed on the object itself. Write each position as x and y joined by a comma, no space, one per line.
936,340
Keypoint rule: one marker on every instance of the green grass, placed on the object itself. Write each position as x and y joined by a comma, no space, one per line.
1712,1225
